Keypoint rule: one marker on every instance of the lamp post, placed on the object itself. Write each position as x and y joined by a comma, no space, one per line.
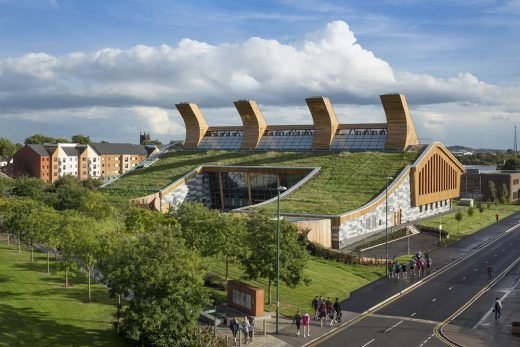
278,191
386,221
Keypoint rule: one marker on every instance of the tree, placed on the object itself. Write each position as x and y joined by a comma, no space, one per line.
493,191
259,260
30,187
228,238
19,217
88,244
140,220
70,195
50,237
81,139
458,218
40,139
72,224
511,164
198,225
152,142
7,148
470,212
166,280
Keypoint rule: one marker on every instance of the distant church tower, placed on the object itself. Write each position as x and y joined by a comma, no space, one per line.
143,137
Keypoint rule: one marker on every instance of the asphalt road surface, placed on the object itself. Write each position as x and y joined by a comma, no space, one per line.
410,319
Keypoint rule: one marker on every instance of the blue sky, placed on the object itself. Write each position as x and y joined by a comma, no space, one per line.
105,65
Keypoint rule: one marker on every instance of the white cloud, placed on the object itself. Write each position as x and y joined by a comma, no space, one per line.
146,81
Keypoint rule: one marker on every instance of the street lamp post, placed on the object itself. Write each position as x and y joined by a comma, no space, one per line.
278,190
386,221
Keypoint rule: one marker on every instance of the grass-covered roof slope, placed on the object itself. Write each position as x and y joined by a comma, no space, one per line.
346,180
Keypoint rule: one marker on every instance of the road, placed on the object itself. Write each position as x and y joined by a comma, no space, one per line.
410,319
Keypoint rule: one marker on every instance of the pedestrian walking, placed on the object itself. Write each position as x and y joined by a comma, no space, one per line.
497,216
333,316
403,268
418,264
497,308
411,264
337,307
320,302
297,320
397,269
489,270
251,327
428,264
323,314
390,269
245,329
315,306
306,320
234,326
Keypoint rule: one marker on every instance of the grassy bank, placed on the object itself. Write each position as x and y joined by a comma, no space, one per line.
346,180
469,225
329,279
37,310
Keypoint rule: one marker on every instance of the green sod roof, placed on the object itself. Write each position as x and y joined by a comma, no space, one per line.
346,180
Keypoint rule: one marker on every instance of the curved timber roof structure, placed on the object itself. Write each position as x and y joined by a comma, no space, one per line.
326,133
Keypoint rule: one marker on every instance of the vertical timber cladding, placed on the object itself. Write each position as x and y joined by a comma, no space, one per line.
401,131
325,121
253,123
436,177
196,125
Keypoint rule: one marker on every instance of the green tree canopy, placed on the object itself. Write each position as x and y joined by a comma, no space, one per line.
30,187
512,164
39,139
7,148
83,139
259,261
166,280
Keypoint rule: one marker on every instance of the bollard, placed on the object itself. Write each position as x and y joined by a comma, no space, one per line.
265,329
239,337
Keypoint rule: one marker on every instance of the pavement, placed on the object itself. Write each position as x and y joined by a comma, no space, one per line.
410,319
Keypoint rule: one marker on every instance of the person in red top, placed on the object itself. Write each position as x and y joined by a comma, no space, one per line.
306,320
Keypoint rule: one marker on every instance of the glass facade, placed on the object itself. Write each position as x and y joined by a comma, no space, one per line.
359,140
237,185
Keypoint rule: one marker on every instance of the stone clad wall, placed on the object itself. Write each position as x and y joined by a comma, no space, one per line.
196,189
374,221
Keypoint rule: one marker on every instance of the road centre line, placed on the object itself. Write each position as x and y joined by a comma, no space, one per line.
393,326
406,319
413,314
435,299
463,278
369,342
450,288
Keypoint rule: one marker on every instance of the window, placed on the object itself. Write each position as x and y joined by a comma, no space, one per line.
126,159
426,207
420,208
94,160
126,166
64,167
84,159
55,174
55,159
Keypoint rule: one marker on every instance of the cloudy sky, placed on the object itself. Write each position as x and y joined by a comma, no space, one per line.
109,68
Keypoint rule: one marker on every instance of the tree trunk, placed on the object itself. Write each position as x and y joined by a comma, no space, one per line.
55,254
32,252
48,262
19,246
88,274
269,289
8,237
66,274
227,266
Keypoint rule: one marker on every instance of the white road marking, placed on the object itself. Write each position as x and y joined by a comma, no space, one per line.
463,278
476,269
450,288
486,261
495,255
393,326
369,342
434,300
413,314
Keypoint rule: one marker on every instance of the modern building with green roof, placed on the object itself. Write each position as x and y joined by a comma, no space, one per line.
338,176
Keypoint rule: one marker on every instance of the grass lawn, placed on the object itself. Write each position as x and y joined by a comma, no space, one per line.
346,180
37,310
470,225
329,279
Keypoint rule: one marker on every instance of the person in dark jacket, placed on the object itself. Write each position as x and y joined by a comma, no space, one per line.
297,320
234,326
337,307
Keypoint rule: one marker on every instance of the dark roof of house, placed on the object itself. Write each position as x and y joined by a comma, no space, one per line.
39,149
119,148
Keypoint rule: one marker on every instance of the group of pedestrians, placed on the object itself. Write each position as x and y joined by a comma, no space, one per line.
418,265
323,309
247,326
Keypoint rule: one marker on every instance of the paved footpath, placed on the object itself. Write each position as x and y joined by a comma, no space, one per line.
378,291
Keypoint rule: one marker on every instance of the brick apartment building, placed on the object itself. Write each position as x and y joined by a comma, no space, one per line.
97,160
